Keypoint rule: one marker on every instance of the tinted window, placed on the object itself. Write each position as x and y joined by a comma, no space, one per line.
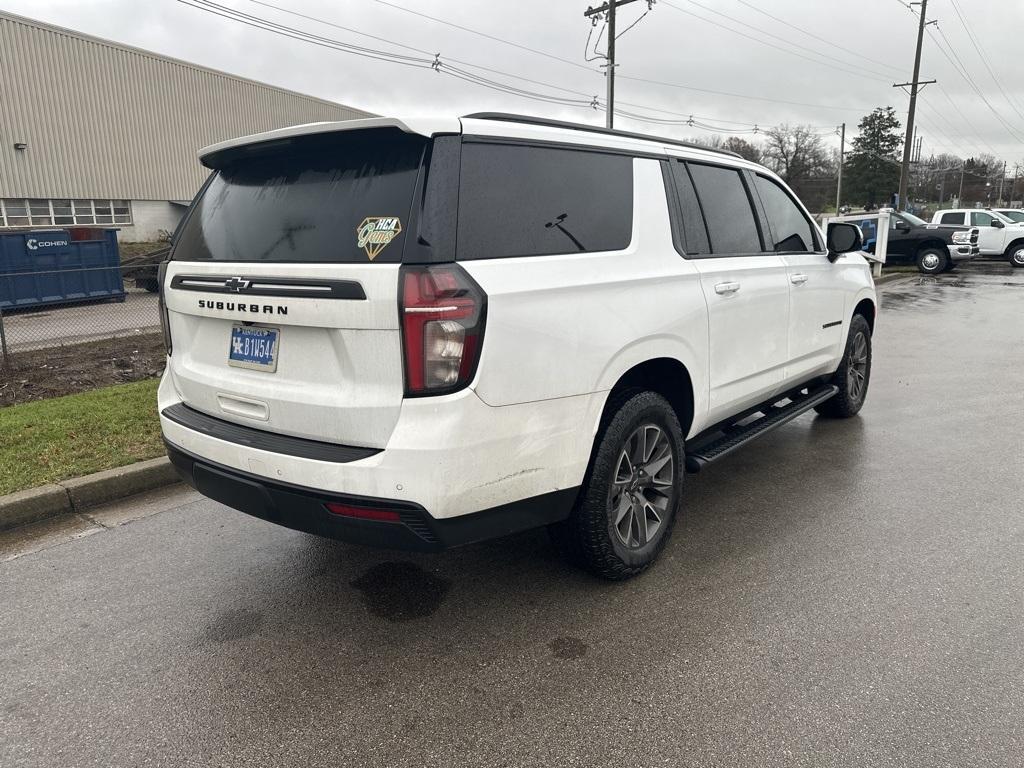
952,218
696,235
532,201
981,219
727,211
790,228
340,198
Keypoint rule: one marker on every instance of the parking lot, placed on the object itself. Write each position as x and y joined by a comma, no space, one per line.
840,593
78,323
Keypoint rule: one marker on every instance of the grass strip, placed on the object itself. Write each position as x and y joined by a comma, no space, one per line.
51,440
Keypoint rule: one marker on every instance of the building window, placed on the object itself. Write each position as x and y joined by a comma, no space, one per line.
19,212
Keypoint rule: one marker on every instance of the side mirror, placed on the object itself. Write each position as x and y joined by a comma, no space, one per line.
843,238
902,226
997,224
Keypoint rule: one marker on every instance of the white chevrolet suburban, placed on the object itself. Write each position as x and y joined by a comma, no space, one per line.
998,235
428,332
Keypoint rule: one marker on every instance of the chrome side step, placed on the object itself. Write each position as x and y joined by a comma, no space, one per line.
720,441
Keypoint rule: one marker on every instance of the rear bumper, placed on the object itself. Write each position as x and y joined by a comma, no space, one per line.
303,509
962,252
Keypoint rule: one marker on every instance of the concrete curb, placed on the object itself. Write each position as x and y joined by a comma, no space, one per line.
83,492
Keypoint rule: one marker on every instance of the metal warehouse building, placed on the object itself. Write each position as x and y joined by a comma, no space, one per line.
97,133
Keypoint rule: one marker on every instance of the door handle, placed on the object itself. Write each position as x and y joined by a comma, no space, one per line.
798,279
724,288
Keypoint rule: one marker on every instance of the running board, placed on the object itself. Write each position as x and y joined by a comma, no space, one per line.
727,439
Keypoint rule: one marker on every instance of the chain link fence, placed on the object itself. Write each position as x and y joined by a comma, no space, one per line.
52,347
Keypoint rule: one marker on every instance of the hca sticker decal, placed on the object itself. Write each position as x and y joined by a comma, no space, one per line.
374,234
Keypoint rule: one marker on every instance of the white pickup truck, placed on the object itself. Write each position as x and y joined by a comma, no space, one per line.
998,234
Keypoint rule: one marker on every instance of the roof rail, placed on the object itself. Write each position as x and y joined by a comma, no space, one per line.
530,120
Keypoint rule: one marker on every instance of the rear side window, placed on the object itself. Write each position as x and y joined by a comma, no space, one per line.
952,218
534,201
727,209
334,198
693,220
791,230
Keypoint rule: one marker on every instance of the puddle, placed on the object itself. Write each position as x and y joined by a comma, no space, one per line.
233,625
401,591
568,648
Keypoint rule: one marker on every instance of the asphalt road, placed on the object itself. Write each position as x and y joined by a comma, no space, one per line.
839,594
76,323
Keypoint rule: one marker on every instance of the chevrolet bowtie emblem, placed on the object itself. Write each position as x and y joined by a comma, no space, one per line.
237,284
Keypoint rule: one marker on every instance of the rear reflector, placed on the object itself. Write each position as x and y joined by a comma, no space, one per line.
363,513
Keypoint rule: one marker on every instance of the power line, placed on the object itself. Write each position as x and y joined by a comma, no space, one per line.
649,81
817,37
984,59
796,53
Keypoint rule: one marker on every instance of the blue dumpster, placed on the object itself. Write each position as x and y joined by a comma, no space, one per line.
46,267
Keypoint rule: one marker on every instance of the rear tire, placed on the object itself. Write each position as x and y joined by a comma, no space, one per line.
853,375
627,505
932,261
1015,253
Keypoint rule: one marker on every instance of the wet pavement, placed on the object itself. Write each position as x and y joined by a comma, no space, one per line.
840,593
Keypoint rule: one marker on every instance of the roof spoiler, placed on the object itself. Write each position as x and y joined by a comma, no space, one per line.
212,155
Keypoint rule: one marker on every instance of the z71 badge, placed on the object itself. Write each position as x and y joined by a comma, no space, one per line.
376,232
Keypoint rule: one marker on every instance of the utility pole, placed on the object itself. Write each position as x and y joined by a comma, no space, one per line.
842,150
609,8
915,86
1002,178
960,194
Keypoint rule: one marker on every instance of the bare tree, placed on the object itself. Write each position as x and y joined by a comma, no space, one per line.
796,153
745,149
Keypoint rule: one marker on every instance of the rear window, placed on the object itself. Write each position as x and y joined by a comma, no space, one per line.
333,198
534,201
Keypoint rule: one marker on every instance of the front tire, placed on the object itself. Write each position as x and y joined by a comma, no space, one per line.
627,505
853,375
932,261
1016,255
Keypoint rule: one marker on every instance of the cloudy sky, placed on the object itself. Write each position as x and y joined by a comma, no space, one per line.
724,62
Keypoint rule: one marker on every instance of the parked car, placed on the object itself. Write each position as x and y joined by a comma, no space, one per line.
1013,214
422,333
931,248
998,235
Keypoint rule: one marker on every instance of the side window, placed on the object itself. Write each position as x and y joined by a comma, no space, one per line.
732,227
696,234
533,201
791,230
952,218
981,219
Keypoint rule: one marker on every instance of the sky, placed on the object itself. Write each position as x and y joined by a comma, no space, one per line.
733,65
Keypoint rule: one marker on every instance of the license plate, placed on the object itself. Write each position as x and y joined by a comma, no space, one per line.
254,348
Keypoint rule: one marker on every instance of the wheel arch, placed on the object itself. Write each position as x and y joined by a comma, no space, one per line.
866,309
927,245
1013,244
667,376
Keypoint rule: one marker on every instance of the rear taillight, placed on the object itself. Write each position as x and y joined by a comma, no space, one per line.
442,314
165,325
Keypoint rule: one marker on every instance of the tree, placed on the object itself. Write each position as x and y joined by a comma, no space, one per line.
743,148
796,153
872,170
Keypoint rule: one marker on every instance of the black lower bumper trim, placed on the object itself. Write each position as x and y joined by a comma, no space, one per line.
303,509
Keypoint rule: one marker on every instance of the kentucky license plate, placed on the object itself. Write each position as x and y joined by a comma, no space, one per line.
254,348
